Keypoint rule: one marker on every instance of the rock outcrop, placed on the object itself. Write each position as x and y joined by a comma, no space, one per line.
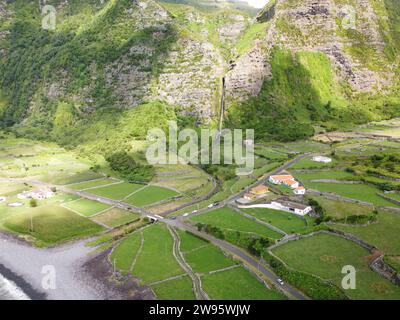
325,26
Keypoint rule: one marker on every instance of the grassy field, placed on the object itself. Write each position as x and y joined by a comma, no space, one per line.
71,178
226,218
237,284
325,256
206,259
284,221
156,261
395,196
116,191
270,153
86,207
321,175
124,254
384,235
190,242
393,261
91,184
307,146
150,195
360,192
340,210
202,256
180,289
44,161
52,225
308,163
116,217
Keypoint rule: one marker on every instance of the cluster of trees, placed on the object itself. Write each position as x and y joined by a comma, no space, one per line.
355,219
129,168
255,245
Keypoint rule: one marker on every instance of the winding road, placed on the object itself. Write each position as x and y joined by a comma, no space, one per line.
246,258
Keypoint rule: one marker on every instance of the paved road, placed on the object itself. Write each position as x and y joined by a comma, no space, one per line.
246,258
264,179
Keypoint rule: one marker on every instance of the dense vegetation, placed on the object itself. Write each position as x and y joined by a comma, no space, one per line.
312,286
56,85
255,245
129,168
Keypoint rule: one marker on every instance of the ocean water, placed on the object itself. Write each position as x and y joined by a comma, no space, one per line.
10,291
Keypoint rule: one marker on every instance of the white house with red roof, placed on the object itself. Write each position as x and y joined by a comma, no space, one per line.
287,180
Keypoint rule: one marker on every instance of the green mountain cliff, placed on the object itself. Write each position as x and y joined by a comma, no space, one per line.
113,69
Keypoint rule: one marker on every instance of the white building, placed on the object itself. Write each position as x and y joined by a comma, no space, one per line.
36,194
322,159
286,180
296,208
300,191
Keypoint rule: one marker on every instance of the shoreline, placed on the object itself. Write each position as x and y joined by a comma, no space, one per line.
22,284
22,263
81,273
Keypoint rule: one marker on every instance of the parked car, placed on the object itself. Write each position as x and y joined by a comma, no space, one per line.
280,281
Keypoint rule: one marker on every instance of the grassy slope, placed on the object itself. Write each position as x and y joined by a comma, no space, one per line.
326,255
384,235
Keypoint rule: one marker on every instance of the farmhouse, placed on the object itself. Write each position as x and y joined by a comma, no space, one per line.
36,194
259,190
296,208
300,191
322,159
287,180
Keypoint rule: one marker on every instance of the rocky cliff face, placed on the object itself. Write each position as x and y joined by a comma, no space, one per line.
323,26
120,54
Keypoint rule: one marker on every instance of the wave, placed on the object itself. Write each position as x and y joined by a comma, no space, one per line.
10,291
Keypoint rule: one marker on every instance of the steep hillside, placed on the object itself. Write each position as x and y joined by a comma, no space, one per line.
119,54
114,68
309,68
